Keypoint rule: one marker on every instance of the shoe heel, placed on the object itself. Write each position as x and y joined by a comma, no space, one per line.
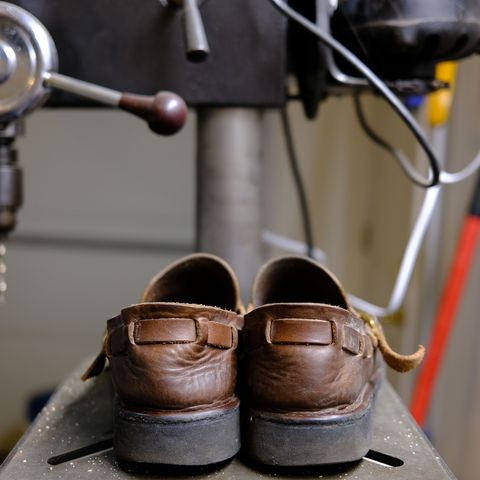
187,439
276,439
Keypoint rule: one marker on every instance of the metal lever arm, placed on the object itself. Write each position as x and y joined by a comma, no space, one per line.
164,112
196,42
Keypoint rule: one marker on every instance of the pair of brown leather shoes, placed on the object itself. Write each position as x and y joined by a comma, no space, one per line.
311,367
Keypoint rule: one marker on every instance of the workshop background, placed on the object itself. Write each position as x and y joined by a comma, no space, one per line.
107,204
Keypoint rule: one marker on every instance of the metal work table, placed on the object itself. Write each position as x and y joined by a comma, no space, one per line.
71,439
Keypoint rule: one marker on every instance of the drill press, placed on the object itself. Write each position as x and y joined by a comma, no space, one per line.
210,116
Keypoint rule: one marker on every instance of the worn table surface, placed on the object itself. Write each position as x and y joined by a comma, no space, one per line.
71,439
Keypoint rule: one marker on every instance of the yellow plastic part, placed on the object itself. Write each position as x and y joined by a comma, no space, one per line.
439,103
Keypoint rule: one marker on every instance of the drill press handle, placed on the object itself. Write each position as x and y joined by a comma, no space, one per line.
165,112
195,38
28,65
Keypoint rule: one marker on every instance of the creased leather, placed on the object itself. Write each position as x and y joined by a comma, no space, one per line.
307,377
166,356
163,376
307,349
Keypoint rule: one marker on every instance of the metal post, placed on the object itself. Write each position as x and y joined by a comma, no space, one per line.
229,196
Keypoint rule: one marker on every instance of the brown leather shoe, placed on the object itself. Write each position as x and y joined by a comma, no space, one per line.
173,364
313,368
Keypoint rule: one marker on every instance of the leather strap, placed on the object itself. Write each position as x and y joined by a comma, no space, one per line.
305,331
221,335
153,331
301,331
115,342
182,330
400,363
351,340
164,330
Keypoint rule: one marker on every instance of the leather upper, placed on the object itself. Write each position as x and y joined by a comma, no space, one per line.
173,356
306,349
176,350
311,352
306,357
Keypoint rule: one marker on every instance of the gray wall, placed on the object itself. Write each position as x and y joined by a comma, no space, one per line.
125,199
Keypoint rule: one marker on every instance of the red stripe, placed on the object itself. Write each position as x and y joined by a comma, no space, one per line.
448,305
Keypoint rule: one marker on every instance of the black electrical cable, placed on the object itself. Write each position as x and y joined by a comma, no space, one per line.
299,185
389,96
397,154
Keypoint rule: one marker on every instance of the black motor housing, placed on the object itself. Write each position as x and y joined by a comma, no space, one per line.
405,38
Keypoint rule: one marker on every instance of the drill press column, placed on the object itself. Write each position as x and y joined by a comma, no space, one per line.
229,197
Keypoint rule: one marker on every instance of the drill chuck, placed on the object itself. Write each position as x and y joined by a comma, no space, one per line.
11,191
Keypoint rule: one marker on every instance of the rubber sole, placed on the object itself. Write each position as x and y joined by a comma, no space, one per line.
187,439
276,439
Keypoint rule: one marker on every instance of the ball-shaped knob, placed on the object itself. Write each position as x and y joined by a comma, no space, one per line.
165,113
169,113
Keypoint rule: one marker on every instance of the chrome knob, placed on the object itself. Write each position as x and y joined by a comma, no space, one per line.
8,61
26,52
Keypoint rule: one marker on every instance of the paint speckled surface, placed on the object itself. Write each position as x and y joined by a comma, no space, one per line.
80,414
